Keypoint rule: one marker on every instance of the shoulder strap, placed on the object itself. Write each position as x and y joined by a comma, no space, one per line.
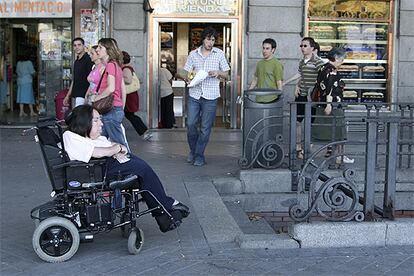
100,81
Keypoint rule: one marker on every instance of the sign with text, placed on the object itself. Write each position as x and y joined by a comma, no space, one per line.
35,9
195,7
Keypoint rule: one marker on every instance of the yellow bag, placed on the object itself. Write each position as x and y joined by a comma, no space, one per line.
134,85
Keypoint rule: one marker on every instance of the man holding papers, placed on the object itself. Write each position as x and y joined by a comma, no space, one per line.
209,65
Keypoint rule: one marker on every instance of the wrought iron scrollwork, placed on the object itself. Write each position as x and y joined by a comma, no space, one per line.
334,198
266,154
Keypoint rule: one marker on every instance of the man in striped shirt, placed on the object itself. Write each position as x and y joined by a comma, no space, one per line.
308,70
202,100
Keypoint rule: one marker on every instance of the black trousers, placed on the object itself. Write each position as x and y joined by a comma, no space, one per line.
136,122
148,180
167,111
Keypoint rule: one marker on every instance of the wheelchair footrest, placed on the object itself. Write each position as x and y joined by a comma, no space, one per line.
126,183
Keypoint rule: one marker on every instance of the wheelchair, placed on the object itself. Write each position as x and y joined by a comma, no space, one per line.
84,203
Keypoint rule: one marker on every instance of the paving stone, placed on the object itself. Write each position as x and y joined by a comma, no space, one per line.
186,248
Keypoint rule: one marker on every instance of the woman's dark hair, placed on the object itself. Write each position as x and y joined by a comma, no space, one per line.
126,57
79,120
208,32
336,53
94,47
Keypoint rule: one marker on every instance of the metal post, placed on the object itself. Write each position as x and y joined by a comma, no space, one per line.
293,114
390,170
307,130
370,157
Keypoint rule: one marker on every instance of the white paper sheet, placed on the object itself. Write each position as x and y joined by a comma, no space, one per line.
198,78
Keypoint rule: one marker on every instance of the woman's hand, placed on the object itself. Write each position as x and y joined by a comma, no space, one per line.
328,109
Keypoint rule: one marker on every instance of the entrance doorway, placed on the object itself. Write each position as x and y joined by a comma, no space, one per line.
47,44
172,42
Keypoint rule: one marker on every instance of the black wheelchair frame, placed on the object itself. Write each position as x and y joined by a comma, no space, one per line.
84,203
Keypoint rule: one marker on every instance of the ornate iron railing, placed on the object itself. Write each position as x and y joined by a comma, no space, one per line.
334,195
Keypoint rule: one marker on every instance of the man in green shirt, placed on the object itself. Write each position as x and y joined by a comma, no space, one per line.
269,72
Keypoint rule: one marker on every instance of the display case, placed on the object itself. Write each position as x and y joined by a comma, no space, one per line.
362,29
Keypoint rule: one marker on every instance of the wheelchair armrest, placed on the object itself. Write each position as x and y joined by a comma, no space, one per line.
93,185
80,163
124,183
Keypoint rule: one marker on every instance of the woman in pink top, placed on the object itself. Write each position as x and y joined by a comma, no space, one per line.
94,76
112,83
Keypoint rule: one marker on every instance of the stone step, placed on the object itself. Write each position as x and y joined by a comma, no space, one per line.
256,181
266,241
353,234
215,220
247,226
280,202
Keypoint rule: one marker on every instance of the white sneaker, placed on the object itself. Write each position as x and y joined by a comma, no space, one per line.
147,136
345,159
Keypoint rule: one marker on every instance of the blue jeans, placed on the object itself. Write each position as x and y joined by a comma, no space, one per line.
201,112
112,128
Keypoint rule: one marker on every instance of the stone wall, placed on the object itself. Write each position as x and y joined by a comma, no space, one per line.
128,29
405,54
286,27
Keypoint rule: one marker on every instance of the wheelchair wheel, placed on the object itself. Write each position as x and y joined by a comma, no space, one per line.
135,240
55,240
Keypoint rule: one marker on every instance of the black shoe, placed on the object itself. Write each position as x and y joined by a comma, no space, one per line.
166,223
185,211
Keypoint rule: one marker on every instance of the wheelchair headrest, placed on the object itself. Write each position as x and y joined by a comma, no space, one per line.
46,121
47,136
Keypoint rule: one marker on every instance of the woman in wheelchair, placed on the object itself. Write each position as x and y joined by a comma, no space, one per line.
83,141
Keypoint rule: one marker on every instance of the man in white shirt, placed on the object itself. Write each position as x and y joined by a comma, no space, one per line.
202,100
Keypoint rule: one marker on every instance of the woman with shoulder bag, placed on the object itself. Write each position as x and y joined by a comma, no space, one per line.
94,76
132,98
111,87
330,89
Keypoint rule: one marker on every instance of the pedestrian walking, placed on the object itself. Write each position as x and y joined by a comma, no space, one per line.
167,98
329,88
308,69
202,99
112,84
132,100
25,72
94,76
269,72
81,69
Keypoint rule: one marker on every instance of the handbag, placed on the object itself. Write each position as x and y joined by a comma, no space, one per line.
106,104
134,85
316,93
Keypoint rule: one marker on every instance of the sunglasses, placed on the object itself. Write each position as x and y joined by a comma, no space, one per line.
304,46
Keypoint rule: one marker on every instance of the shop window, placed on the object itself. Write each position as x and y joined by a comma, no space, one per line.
362,28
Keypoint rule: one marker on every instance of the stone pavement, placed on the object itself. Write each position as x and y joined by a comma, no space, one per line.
185,251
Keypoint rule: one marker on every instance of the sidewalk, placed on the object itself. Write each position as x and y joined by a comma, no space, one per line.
189,250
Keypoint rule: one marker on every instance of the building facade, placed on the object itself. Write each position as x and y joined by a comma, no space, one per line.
377,35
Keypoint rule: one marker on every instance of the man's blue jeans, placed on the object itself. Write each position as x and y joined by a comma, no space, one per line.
201,113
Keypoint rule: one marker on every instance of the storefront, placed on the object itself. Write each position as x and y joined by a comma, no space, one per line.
43,33
364,29
174,30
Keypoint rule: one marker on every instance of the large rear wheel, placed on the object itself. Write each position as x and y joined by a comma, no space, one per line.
55,240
